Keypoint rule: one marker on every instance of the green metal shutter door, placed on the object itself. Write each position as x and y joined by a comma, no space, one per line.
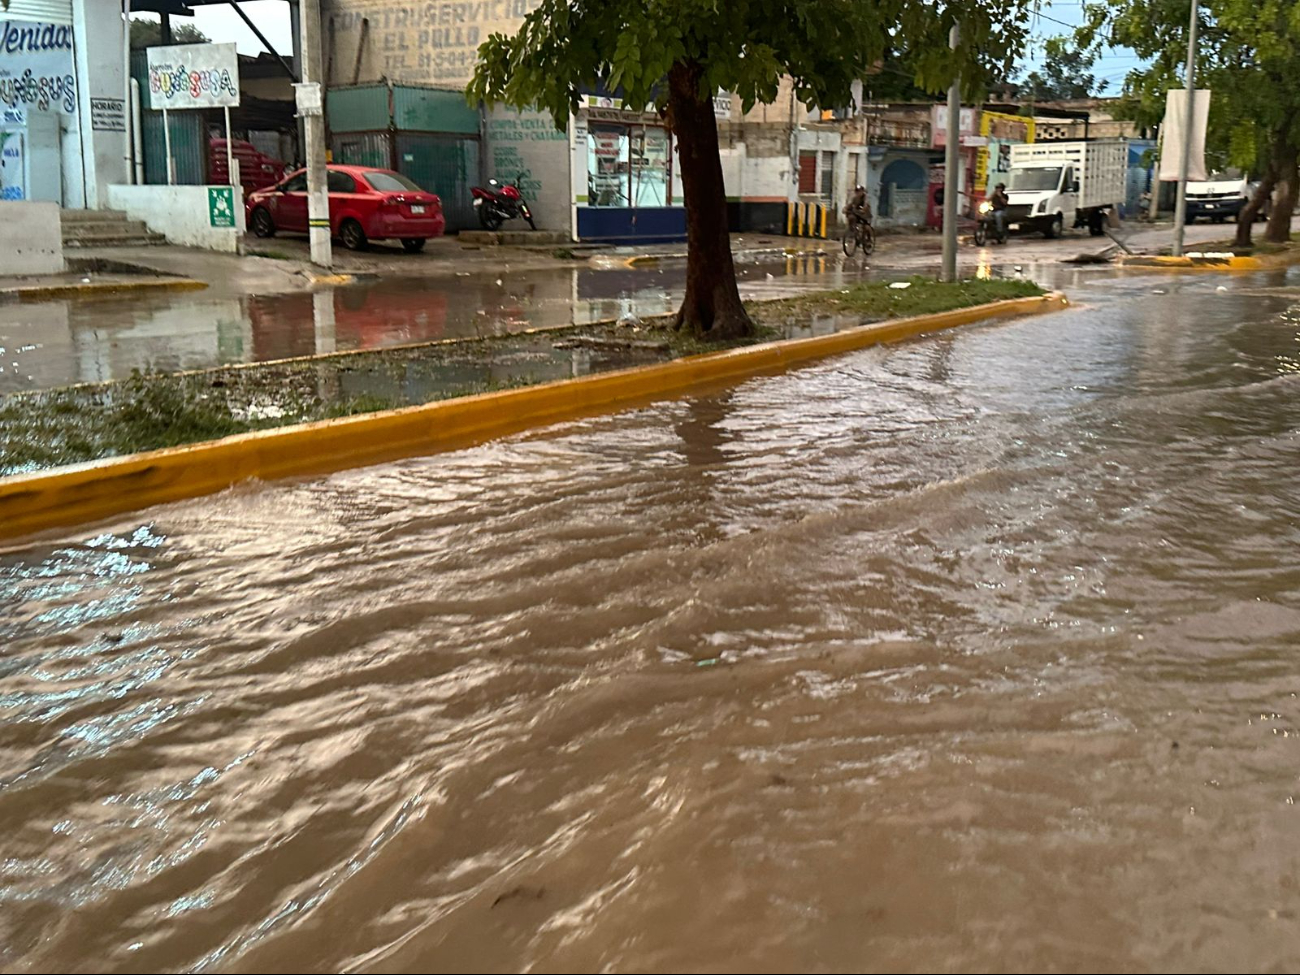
444,164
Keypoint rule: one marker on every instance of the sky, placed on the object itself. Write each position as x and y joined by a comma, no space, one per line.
223,25
1058,18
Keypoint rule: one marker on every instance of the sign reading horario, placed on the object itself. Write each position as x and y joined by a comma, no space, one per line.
36,67
193,76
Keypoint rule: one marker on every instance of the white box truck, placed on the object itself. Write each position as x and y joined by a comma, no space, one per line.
1054,185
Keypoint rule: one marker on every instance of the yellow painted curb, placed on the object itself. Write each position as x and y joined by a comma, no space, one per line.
90,492
1197,262
41,292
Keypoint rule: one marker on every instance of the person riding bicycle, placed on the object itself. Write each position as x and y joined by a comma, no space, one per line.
858,210
1000,203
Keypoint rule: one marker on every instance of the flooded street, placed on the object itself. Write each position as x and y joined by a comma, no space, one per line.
57,343
972,653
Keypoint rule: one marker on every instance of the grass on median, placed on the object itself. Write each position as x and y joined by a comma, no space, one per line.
878,300
153,410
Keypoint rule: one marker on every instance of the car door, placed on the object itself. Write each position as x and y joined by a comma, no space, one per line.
1069,196
290,204
343,199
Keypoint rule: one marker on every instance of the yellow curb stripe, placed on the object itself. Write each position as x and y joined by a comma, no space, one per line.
94,288
1168,262
100,489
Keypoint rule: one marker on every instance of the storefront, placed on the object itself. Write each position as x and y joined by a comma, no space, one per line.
627,187
63,123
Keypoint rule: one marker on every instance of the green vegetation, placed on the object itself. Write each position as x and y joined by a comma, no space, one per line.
880,300
1248,55
152,410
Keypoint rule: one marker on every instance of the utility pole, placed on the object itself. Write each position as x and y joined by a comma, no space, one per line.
1180,208
951,154
311,106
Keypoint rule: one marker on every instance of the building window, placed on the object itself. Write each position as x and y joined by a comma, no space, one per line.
828,175
628,166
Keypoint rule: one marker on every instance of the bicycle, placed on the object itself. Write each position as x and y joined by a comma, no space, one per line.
859,238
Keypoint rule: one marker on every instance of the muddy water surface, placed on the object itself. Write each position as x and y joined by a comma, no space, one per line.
976,653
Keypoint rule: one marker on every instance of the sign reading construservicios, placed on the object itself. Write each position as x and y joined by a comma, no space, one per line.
193,76
36,67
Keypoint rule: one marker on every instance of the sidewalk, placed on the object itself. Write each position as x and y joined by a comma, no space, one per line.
282,264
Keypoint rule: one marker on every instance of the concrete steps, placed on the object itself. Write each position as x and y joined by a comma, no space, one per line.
105,228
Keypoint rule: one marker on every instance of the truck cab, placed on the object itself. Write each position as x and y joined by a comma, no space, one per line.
1042,196
1219,198
1054,185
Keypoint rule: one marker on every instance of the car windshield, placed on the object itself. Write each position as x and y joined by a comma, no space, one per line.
1039,178
387,182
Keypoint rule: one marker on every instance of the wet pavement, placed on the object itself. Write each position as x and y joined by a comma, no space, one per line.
56,343
973,653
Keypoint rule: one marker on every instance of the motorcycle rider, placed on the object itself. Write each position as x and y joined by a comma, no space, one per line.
1000,203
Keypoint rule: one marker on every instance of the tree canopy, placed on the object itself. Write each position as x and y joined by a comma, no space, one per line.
148,33
743,46
1066,74
1248,54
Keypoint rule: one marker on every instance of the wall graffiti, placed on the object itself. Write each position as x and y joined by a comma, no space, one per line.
431,42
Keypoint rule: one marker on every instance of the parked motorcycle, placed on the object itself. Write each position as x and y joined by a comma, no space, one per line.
498,202
986,229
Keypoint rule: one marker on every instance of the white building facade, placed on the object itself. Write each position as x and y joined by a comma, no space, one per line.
64,119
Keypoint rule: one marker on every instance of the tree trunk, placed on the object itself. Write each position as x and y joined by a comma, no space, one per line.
1279,221
1246,218
711,308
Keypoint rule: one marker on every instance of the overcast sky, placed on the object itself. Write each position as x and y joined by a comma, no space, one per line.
223,25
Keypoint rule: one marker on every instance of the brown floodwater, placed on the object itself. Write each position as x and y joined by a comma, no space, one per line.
975,653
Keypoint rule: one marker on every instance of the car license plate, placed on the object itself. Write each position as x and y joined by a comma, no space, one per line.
1013,226
415,209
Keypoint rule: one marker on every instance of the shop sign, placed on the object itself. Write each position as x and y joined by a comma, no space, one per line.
36,67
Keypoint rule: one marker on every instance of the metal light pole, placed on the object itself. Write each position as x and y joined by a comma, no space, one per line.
318,207
950,157
1189,119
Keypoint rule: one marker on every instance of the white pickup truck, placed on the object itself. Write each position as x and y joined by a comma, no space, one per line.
1054,185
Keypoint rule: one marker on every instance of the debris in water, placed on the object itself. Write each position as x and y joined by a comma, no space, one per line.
708,662
1157,291
900,285
1220,288
500,282
771,276
525,893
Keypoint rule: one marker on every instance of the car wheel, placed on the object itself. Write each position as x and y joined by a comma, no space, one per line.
353,237
412,245
1055,228
263,225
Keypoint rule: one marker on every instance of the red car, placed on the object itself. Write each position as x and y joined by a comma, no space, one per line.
365,204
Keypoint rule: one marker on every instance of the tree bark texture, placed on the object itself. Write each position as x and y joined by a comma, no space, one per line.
711,308
1279,221
1246,218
